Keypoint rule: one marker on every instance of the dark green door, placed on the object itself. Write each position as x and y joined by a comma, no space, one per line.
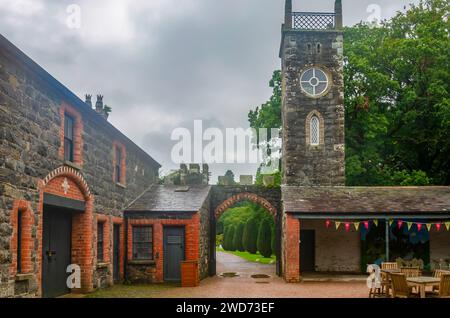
57,232
116,253
307,250
173,253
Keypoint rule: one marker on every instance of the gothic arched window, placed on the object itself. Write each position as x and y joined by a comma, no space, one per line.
315,131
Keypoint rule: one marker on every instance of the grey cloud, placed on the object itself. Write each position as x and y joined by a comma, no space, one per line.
163,63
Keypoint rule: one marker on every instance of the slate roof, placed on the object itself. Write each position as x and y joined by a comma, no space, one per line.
353,200
170,198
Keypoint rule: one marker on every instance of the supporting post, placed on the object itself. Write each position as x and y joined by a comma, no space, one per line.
288,14
387,240
338,13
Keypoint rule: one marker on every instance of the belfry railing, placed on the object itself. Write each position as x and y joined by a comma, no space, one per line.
313,21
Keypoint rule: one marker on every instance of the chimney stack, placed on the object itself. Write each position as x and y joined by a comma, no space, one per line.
99,104
88,100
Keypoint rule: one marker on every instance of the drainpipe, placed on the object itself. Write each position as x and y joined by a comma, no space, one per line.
387,240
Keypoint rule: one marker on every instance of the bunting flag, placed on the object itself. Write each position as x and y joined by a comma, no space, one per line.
347,227
400,223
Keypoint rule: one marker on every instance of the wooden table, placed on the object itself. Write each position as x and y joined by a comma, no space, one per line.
422,282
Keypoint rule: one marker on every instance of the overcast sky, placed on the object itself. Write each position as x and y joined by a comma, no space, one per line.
162,64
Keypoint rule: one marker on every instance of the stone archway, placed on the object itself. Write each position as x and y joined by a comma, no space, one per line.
66,182
228,203
224,197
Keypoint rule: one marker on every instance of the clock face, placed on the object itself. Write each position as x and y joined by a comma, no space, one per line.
314,82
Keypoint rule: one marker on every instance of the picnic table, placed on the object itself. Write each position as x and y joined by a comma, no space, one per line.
423,282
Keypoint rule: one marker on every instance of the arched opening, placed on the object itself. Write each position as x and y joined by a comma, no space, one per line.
247,237
65,233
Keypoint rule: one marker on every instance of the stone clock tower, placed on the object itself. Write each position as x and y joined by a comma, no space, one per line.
313,98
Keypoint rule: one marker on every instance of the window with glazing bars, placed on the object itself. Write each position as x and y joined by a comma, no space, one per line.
143,242
315,131
68,138
118,165
100,232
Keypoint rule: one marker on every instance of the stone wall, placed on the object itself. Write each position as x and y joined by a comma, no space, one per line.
304,164
29,150
205,241
336,250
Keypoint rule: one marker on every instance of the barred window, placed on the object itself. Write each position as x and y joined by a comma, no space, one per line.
100,234
143,242
315,131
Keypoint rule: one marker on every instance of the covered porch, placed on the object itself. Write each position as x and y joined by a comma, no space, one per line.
337,231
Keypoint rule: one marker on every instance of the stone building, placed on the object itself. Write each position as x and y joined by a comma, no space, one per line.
314,195
78,195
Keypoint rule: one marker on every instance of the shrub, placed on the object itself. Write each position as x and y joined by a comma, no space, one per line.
250,236
237,239
265,238
229,238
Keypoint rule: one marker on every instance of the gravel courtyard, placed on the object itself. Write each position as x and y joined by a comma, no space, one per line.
241,286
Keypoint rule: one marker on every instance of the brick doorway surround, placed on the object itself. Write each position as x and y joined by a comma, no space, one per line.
69,183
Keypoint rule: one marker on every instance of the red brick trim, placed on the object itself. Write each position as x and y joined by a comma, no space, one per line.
228,203
119,221
78,133
82,224
192,240
123,164
291,249
104,220
23,207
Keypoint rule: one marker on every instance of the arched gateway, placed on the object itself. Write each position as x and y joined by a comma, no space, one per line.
64,231
225,197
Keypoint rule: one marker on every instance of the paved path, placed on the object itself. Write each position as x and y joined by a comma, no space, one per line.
244,286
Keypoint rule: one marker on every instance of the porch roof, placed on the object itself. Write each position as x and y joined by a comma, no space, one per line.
367,200
171,198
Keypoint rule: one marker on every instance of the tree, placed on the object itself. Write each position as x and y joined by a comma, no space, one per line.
397,99
250,236
224,239
230,238
237,239
265,238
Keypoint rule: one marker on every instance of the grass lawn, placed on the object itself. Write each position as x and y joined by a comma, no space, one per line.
255,258
132,291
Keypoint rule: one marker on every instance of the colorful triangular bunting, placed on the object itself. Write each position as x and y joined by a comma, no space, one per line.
338,224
